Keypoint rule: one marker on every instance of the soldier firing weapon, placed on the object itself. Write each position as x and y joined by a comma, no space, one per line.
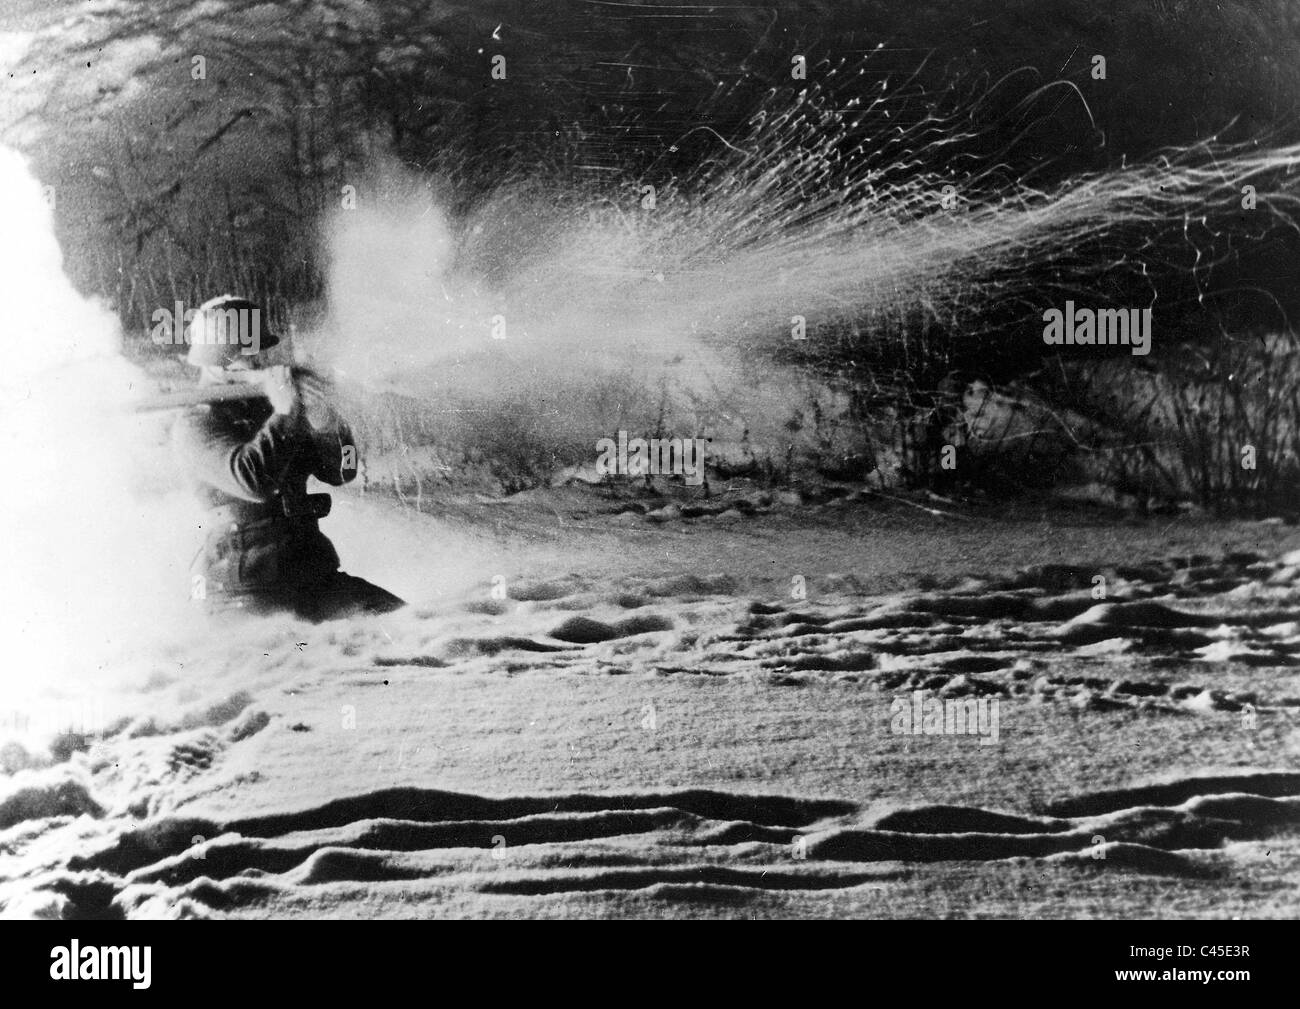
250,437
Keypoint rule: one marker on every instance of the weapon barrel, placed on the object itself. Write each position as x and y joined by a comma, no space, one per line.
183,398
247,388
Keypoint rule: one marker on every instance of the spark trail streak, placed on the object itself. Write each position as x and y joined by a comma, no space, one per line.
870,217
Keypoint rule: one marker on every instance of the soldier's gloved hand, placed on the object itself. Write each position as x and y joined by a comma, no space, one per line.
280,389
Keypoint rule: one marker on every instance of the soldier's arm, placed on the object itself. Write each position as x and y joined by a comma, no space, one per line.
336,449
249,469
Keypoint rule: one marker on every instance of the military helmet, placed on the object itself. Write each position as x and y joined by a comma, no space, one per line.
225,329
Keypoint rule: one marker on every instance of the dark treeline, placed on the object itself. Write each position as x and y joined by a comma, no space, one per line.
172,185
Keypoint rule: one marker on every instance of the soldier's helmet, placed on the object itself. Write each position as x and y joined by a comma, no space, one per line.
226,329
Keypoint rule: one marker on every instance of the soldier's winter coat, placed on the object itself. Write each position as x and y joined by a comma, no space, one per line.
263,548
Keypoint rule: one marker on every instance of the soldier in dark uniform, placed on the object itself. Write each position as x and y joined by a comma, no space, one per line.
249,461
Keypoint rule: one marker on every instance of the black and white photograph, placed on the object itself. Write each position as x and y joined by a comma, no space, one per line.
645,459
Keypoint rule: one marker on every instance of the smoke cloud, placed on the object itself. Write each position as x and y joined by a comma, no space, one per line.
88,570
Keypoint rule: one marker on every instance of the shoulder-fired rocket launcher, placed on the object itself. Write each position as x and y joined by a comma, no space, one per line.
243,385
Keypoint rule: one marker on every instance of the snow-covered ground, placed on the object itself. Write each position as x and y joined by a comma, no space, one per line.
588,710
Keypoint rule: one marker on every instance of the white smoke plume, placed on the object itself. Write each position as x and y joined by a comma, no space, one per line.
590,306
87,569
